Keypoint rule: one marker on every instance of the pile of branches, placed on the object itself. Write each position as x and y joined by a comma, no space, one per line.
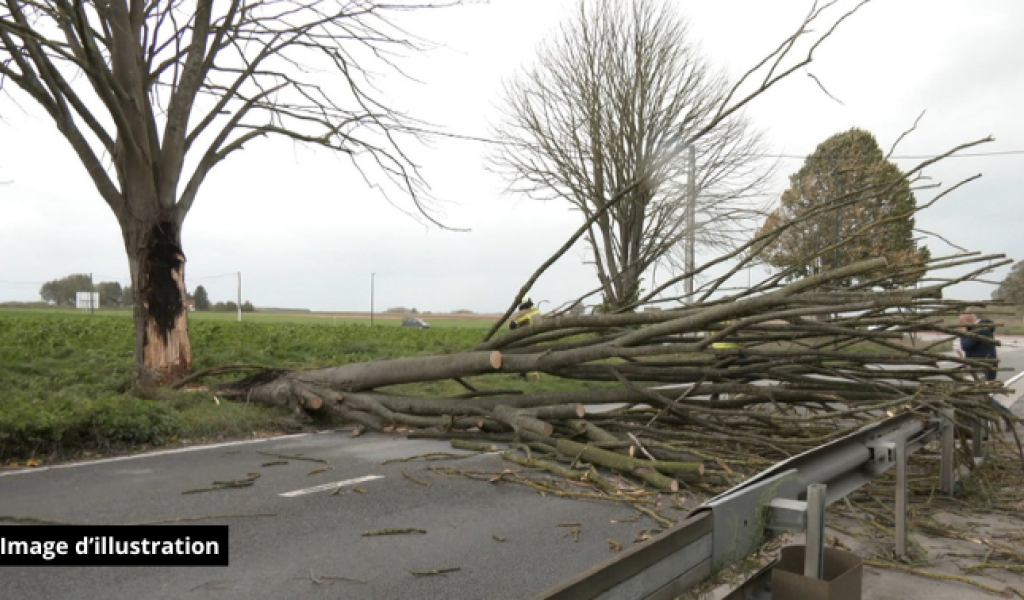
807,362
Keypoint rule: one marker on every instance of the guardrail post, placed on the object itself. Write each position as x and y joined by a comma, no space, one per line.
977,435
947,466
901,493
815,542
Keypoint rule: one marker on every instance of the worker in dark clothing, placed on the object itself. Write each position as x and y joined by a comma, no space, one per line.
972,347
976,348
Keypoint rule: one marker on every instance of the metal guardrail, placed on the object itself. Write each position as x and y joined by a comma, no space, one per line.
732,525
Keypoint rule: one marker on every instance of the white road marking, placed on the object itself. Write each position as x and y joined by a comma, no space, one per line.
101,461
1013,379
331,486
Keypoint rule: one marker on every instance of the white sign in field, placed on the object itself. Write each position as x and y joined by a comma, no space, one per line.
87,300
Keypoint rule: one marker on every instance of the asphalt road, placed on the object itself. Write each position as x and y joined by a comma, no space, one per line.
314,535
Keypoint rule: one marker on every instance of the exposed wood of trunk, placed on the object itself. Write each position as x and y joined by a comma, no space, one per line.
163,351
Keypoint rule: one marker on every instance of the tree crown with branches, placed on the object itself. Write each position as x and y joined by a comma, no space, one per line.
152,95
872,214
613,102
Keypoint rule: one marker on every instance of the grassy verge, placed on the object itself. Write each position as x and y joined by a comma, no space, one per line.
66,379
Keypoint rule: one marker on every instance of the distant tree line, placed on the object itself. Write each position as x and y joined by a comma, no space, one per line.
230,306
62,292
402,310
202,302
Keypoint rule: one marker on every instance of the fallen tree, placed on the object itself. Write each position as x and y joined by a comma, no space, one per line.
809,360
812,363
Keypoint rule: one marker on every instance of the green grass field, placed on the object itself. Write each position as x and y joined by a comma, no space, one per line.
278,317
67,376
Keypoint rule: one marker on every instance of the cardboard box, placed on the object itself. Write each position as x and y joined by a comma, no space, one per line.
843,576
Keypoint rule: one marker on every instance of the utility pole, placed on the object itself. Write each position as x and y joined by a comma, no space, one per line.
372,275
239,296
691,221
92,296
833,184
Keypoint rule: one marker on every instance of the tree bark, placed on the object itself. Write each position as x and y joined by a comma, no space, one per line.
163,353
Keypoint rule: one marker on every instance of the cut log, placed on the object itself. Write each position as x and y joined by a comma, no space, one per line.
593,432
311,401
521,422
647,470
557,412
357,416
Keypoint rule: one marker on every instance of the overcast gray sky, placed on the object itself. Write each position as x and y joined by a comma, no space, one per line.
305,232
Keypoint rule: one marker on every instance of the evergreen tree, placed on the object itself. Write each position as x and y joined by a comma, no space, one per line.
202,299
873,214
1011,290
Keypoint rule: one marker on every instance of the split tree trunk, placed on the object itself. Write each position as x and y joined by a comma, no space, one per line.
163,353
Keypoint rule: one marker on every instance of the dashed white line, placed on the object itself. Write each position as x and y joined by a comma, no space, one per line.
331,486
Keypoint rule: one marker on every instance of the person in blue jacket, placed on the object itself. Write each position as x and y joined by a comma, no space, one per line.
983,349
979,348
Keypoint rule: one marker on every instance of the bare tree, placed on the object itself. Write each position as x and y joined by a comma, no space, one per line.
613,100
143,89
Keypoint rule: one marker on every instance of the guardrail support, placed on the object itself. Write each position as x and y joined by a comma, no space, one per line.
977,435
815,542
901,493
947,466
732,525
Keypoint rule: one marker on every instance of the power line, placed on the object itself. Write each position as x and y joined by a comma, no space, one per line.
917,156
233,274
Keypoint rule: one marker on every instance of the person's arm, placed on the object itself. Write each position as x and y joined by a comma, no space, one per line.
967,345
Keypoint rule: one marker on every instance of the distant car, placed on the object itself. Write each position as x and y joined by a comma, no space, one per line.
414,322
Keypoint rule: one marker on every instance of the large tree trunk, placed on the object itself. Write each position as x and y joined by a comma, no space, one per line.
163,352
